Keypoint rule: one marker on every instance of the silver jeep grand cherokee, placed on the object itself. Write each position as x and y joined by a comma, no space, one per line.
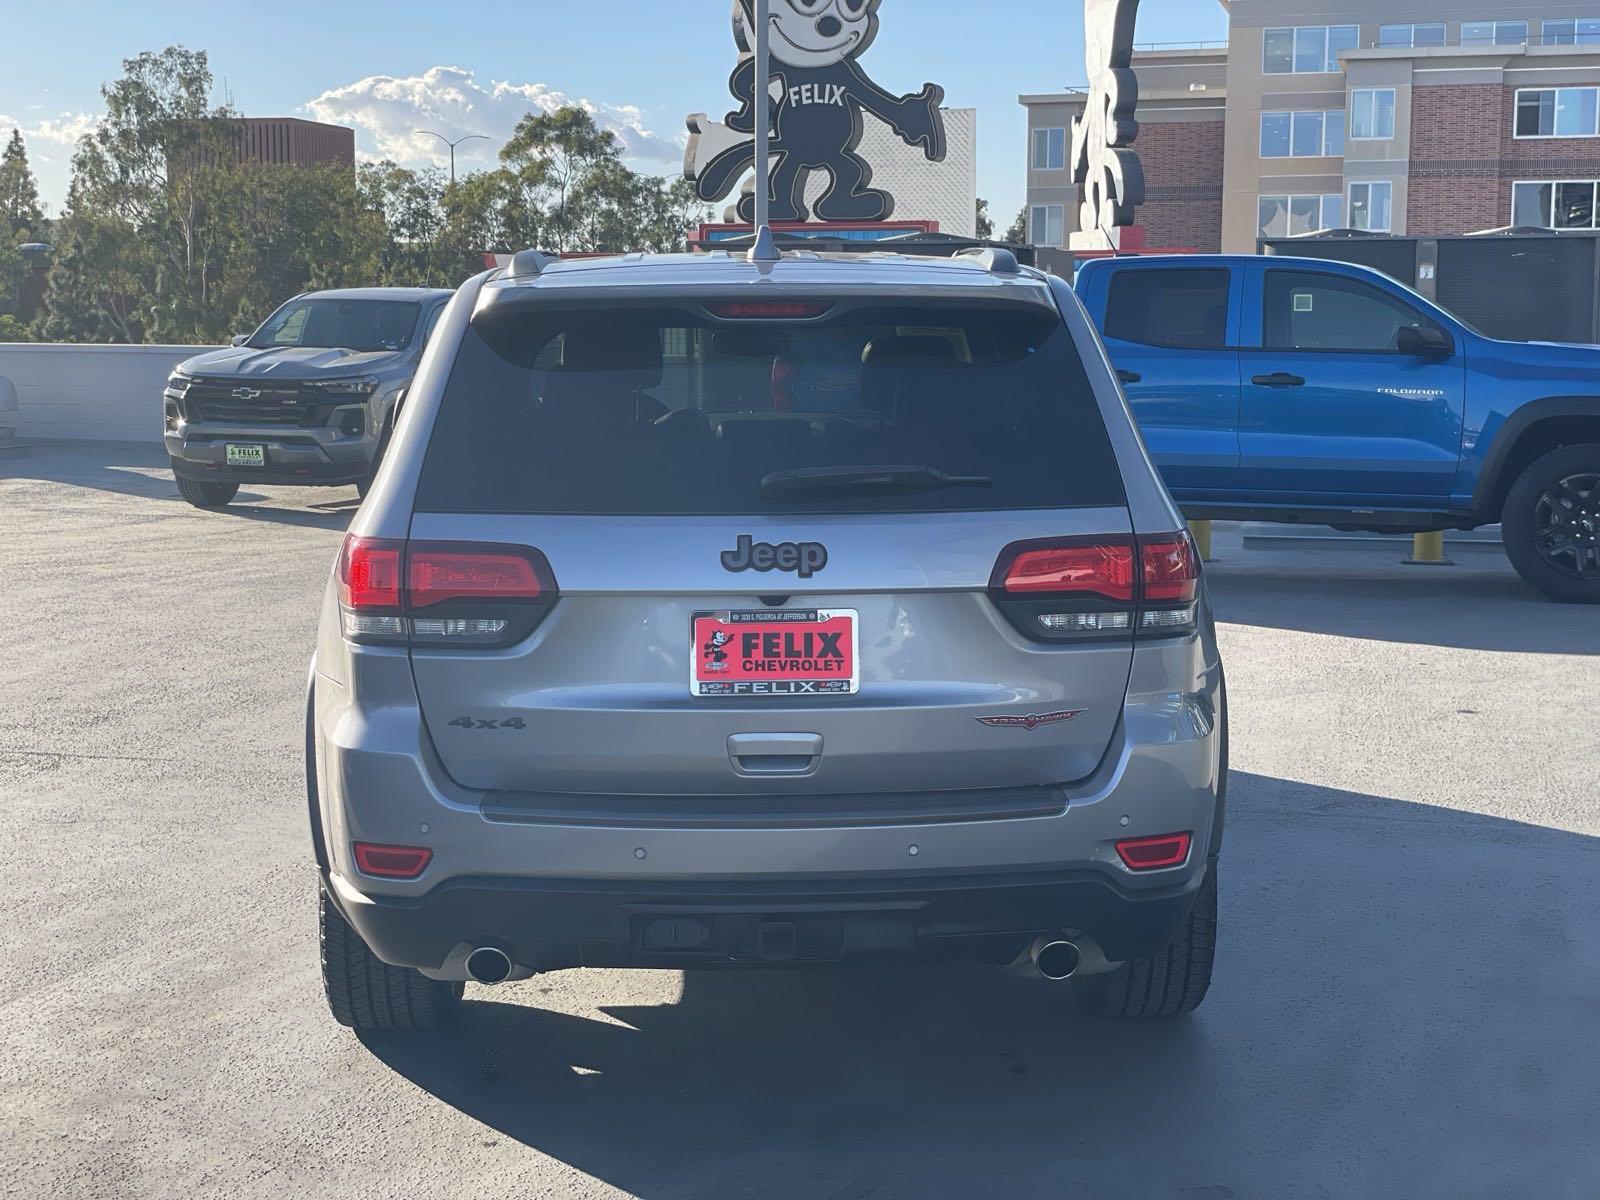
708,613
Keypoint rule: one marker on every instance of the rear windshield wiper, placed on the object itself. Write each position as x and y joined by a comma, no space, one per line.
864,481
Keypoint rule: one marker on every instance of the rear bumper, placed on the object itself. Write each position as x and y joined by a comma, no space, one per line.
547,925
568,888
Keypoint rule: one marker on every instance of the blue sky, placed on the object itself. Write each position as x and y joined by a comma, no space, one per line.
389,66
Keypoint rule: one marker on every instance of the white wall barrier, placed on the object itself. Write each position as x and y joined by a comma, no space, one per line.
91,393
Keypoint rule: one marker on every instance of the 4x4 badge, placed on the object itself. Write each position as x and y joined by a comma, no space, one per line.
750,555
1032,722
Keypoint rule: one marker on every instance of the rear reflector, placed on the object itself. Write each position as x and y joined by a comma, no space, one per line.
1072,568
1154,853
767,310
392,862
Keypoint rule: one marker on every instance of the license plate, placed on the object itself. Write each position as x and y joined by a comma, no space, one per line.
247,456
775,652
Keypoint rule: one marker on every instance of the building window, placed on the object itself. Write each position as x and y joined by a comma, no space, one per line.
1292,216
1555,204
1582,32
1047,224
1049,149
1307,50
1372,114
1494,33
1392,37
1558,112
1370,206
1302,134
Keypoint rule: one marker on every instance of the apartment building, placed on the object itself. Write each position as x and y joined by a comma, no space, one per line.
1414,116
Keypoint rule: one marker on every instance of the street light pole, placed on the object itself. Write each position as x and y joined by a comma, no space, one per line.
469,137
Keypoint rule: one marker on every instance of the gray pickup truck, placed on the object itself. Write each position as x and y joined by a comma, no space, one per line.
308,398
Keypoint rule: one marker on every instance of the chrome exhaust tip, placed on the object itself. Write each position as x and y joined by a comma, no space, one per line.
489,965
1055,959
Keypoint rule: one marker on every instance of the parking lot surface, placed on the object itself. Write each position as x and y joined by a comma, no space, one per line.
1408,981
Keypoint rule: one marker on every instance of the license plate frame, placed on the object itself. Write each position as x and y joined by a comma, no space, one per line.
722,671
244,454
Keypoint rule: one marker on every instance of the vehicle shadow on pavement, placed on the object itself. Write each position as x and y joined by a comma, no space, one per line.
1478,606
1404,1005
138,471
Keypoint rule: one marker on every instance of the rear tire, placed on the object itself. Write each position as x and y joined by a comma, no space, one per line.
206,495
367,994
1551,524
1169,983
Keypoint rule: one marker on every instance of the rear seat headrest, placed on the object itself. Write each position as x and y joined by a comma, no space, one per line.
909,350
622,347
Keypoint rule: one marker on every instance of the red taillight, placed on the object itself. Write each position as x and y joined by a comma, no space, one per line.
1171,574
767,310
1093,568
369,574
1065,590
392,862
439,574
1154,853
441,593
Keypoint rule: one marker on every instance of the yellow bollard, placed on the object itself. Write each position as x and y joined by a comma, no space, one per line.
1201,532
1427,550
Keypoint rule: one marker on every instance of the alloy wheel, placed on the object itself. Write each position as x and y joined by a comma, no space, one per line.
1566,523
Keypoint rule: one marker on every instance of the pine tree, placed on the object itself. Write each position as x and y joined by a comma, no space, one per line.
20,211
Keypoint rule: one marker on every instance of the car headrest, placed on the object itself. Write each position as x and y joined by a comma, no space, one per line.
629,351
885,359
909,350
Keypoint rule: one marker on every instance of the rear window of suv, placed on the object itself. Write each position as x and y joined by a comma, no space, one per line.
640,411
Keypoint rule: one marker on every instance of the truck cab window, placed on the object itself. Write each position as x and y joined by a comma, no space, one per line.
1181,309
1304,310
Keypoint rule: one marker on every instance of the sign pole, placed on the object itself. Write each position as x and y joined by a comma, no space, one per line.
763,248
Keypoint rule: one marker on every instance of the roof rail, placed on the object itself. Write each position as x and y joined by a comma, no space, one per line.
526,264
993,260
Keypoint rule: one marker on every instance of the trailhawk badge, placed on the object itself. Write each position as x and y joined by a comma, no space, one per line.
1032,722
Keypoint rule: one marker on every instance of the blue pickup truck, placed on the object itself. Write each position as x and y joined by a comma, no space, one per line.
1283,389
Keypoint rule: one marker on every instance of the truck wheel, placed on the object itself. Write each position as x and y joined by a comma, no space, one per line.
1551,524
1169,983
206,495
366,993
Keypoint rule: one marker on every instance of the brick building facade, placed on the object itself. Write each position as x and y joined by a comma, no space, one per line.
1397,116
292,141
1183,184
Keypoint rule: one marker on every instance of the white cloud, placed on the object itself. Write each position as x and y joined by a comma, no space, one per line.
389,110
64,130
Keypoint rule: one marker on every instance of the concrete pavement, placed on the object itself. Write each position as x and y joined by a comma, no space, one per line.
1407,999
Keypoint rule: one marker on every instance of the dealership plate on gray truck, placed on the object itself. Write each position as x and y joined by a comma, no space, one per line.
246,456
776,652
